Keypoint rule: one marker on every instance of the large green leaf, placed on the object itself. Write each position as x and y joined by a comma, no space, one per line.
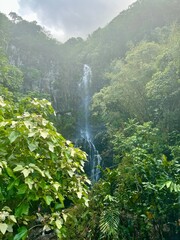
21,210
32,146
18,168
22,234
13,136
48,199
22,189
10,172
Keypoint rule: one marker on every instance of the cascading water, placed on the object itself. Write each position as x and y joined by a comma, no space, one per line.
85,136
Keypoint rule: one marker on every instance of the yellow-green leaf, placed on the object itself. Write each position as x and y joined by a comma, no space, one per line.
12,217
10,228
51,146
13,136
32,146
29,182
48,199
18,168
2,103
70,172
56,185
59,223
64,216
168,183
26,172
79,194
3,228
44,134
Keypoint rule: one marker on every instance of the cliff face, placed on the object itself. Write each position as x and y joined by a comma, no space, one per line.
53,70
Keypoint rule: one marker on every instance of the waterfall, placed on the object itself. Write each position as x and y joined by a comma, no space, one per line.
85,140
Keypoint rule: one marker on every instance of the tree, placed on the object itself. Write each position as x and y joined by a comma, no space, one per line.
139,197
145,85
41,173
10,76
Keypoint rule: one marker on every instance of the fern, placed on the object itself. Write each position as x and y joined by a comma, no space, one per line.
109,224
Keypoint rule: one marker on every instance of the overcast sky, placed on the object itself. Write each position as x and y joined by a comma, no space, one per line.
67,18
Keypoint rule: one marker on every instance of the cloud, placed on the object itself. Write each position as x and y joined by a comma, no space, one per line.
73,17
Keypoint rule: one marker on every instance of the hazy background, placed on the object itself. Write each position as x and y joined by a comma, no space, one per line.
67,18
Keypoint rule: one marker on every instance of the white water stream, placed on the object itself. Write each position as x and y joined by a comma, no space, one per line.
85,134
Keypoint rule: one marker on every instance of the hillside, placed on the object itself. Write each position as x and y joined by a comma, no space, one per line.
116,97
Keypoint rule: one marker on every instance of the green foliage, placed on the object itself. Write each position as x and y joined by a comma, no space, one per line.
109,224
145,86
10,76
139,199
41,174
39,170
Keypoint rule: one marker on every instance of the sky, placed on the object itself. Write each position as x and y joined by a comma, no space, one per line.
67,18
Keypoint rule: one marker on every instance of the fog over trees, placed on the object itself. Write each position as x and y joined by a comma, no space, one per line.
47,187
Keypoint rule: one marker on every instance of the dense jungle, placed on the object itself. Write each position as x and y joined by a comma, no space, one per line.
48,189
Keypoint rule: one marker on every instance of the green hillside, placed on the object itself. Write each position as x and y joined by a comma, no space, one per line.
135,122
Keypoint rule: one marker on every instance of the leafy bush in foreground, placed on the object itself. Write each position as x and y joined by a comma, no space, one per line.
41,173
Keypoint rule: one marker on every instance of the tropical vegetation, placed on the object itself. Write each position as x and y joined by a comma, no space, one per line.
135,117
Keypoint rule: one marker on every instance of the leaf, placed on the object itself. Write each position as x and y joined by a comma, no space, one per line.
13,136
168,183
26,172
3,228
44,122
44,134
88,181
86,201
162,186
31,134
18,168
3,124
58,223
46,228
23,209
172,187
2,103
79,194
33,166
32,146
28,124
7,209
68,142
29,182
70,172
11,185
51,146
22,234
58,206
10,228
61,198
64,216
12,217
47,174
22,189
56,185
10,172
72,152
48,199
